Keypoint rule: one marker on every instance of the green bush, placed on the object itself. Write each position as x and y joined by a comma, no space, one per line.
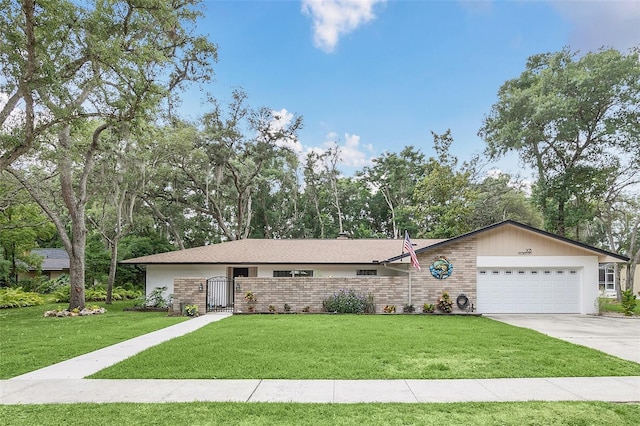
32,284
96,294
61,294
348,302
428,308
50,286
156,299
628,302
17,298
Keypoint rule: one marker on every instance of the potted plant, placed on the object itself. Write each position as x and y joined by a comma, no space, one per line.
445,304
191,310
251,300
428,308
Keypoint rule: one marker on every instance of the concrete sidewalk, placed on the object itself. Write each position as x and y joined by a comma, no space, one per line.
610,389
88,364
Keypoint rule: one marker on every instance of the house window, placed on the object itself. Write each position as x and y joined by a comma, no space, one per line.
495,272
534,272
607,277
559,272
508,272
483,272
366,272
293,273
521,272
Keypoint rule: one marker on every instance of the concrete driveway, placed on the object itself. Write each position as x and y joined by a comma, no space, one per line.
617,336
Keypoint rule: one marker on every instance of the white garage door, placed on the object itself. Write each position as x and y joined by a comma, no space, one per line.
528,290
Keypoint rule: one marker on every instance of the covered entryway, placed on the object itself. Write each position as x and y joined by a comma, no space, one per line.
529,290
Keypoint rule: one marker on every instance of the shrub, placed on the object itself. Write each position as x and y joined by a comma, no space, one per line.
306,309
99,294
272,309
156,298
408,309
348,302
191,310
32,284
445,304
61,294
17,298
389,309
428,308
250,297
50,286
287,307
628,302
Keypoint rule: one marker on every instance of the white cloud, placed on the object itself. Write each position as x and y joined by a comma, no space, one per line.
611,23
282,119
334,18
351,154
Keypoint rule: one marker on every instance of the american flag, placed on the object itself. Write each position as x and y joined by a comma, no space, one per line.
409,249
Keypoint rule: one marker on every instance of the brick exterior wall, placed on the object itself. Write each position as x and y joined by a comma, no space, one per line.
301,292
186,291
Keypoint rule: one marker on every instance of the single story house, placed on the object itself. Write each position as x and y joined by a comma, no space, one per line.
507,267
55,262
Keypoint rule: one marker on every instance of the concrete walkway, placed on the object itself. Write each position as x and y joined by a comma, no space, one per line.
88,364
64,383
610,389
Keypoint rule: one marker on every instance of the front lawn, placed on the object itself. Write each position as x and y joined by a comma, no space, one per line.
365,347
30,341
201,413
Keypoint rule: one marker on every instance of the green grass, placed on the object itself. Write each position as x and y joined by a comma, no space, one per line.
30,341
365,347
527,413
612,305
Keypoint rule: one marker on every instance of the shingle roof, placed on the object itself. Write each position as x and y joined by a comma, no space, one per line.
54,259
303,251
329,251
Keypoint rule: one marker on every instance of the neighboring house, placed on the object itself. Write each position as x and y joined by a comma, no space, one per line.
609,280
503,268
55,262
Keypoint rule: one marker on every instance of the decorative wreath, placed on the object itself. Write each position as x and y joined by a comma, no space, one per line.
441,268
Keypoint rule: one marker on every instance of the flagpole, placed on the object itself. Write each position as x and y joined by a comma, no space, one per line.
406,233
410,274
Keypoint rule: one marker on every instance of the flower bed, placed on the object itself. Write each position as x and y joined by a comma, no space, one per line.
90,310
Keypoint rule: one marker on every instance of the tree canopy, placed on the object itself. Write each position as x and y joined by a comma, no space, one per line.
575,121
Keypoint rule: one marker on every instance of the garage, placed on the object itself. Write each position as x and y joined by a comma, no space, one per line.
529,290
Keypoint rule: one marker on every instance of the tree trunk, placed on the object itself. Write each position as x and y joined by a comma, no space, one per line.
112,270
560,220
76,273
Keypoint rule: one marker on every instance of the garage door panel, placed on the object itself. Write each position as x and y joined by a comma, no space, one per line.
532,290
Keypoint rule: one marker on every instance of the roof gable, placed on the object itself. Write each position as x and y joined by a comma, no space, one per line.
603,255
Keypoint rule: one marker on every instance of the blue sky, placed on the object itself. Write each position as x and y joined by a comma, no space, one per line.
376,76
